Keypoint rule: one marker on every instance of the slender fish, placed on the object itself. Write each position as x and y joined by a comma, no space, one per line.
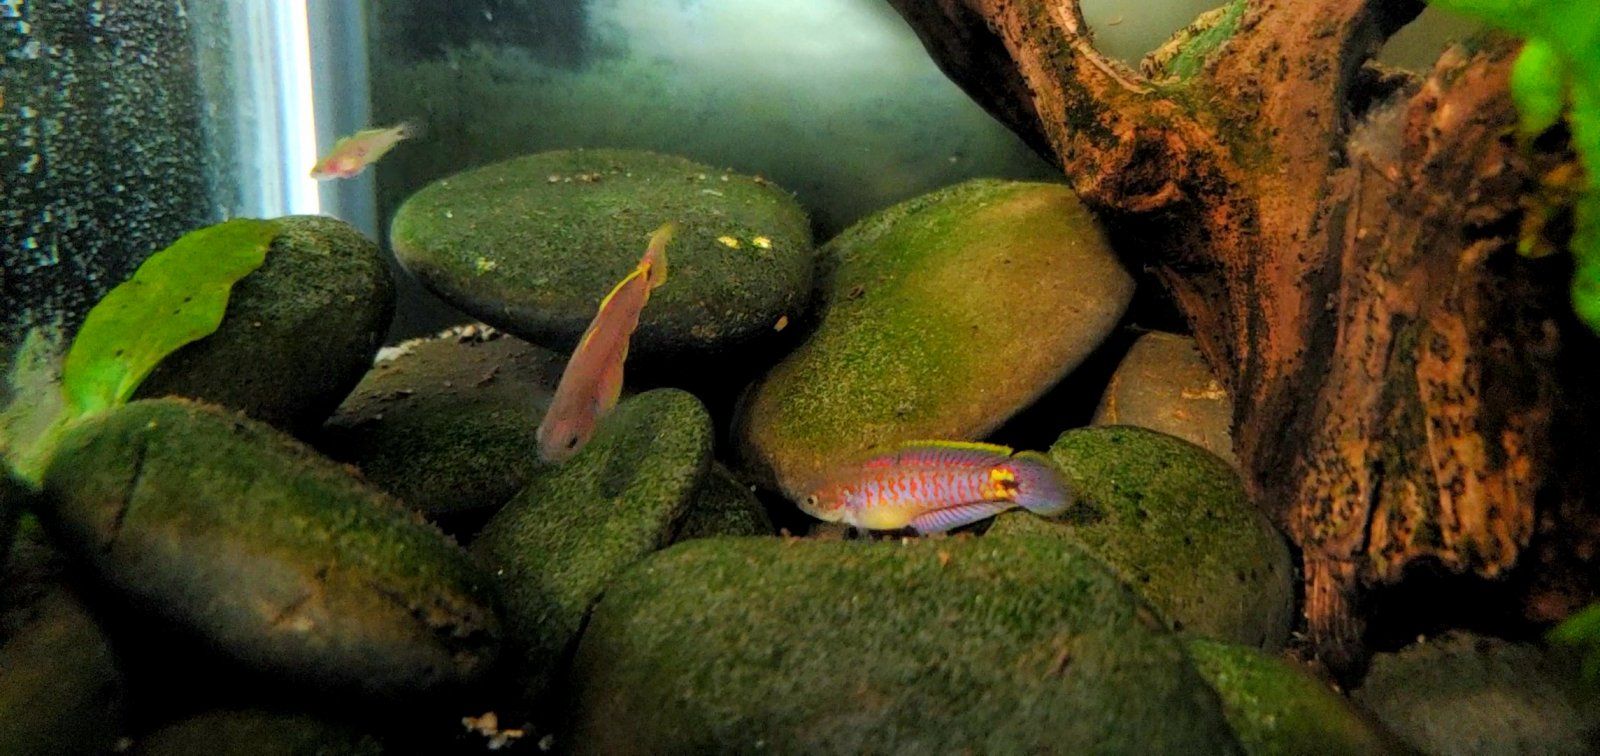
352,154
592,380
934,486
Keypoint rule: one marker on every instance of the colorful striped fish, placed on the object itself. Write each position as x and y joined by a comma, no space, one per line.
592,381
935,486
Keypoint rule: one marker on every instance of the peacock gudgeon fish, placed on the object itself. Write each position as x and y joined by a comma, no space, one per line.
351,155
591,383
935,486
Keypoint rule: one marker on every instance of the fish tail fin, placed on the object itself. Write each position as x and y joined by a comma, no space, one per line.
411,128
656,254
1041,488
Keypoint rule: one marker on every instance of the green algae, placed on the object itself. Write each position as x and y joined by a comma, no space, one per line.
1174,521
531,245
1277,709
941,317
724,506
229,532
299,332
994,645
558,545
448,425
255,732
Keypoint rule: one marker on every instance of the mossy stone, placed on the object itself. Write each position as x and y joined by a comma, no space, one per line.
724,506
227,531
1023,644
61,689
1469,694
941,317
1173,519
448,423
531,245
299,332
1277,709
255,732
556,546
1163,384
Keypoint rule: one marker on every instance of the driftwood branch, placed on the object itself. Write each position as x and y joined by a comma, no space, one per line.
1342,241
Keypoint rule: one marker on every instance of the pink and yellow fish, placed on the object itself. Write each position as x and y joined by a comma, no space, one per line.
352,154
592,380
934,486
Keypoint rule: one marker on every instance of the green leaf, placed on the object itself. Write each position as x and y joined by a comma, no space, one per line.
177,296
1539,87
1582,631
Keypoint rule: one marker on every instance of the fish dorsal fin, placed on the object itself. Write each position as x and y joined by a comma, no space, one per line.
655,255
967,454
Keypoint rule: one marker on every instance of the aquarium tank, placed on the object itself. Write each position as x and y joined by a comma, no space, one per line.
799,376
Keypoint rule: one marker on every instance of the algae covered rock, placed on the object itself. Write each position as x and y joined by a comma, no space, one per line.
531,245
557,546
61,689
1467,694
1174,522
941,317
1277,709
223,530
1163,384
724,506
448,423
1023,644
299,332
256,732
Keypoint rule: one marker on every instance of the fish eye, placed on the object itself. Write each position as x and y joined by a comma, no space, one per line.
811,500
572,442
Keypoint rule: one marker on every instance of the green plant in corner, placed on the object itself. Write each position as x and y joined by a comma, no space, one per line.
176,296
1558,72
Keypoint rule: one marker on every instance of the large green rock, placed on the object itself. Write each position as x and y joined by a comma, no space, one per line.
558,545
1467,694
1021,644
1173,519
724,506
61,689
941,317
1277,709
229,532
531,245
299,332
448,423
256,732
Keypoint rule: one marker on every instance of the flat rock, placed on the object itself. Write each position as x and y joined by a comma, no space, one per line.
299,332
222,530
256,732
1022,644
1174,521
940,318
558,544
61,688
1164,385
1277,708
724,506
448,423
532,244
1467,694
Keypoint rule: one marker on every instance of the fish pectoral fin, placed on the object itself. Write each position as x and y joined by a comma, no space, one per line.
950,518
609,390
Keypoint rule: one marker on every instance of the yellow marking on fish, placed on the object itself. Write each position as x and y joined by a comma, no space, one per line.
1002,485
729,242
635,273
969,445
762,242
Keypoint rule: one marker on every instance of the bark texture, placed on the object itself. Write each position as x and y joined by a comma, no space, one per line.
1342,239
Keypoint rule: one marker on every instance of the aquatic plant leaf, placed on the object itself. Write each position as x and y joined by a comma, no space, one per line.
1582,631
175,297
1539,87
34,414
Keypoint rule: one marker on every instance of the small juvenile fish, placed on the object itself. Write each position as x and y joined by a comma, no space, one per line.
352,154
592,380
935,486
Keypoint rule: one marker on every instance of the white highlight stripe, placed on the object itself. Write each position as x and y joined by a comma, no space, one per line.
297,120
